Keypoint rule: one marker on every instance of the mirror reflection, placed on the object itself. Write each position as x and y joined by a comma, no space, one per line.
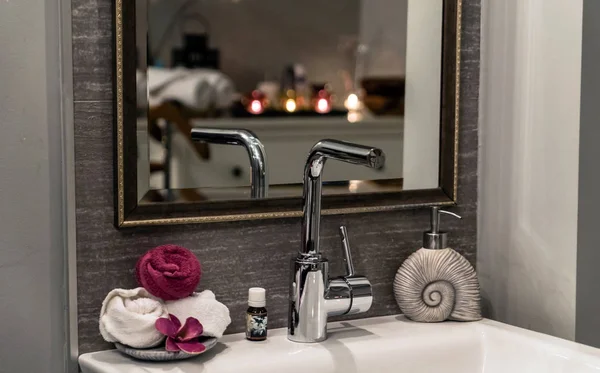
290,73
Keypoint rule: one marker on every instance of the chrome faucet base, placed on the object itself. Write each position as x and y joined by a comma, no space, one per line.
314,298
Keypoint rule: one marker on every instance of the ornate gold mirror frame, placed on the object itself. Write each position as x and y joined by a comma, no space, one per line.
129,213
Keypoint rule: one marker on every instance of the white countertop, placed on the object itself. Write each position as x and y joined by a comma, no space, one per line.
388,344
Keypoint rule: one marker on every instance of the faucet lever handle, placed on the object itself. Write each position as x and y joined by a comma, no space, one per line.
346,251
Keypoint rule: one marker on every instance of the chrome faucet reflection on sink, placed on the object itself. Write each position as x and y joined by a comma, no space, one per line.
255,149
314,296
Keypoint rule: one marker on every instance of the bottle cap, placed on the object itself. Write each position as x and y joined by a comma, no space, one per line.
257,297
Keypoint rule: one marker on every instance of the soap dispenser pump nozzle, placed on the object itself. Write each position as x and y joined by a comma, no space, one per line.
436,239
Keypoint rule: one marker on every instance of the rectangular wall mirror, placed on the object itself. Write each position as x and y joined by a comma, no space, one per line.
282,74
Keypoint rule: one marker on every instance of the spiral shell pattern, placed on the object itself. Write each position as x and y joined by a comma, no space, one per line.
438,285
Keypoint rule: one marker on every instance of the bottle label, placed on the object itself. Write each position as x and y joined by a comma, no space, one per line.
256,326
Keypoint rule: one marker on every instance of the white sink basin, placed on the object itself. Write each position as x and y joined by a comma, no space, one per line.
388,344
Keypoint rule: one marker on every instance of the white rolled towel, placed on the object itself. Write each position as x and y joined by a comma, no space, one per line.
212,314
142,89
197,89
158,78
129,316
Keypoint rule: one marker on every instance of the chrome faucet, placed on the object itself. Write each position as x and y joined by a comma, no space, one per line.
255,149
314,296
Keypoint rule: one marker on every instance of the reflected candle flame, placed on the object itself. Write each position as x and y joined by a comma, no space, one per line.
290,105
323,106
352,102
256,107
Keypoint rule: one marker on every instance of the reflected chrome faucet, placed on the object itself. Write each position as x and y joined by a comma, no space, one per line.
255,149
314,296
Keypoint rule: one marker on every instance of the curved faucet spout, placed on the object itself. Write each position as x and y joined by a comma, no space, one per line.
342,151
339,150
247,139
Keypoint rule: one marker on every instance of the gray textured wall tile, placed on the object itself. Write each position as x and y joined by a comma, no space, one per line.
238,255
92,28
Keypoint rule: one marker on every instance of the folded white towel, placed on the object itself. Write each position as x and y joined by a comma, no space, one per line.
197,89
128,317
212,314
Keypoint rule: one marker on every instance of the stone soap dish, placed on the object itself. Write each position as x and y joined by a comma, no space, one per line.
160,354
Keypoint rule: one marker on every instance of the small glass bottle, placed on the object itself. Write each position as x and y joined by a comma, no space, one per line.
256,315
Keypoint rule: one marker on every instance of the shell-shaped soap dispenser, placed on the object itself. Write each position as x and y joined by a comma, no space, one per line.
436,283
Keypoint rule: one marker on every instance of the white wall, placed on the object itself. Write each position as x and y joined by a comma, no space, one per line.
32,294
531,66
383,32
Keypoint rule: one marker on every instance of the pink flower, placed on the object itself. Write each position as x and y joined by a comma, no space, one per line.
181,338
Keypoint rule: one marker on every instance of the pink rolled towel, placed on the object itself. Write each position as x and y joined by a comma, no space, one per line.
169,272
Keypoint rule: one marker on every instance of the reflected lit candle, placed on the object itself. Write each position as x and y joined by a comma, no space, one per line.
256,107
256,103
290,105
352,102
323,106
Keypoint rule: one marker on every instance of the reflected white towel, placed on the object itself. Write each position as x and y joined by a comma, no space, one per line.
142,91
159,78
128,317
212,314
197,89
